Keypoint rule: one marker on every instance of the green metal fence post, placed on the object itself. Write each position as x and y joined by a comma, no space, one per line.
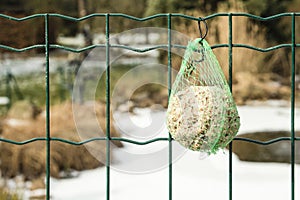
107,49
293,40
230,86
169,88
47,80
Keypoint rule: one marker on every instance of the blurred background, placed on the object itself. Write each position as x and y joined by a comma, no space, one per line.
261,81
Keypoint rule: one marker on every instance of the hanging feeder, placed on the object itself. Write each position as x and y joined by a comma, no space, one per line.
202,115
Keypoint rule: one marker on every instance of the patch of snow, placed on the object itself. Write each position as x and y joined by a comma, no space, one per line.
21,66
192,179
78,40
15,122
269,103
35,194
266,118
4,100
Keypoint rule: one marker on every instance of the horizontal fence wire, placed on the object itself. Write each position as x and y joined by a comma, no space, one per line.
55,46
134,141
251,16
141,50
109,16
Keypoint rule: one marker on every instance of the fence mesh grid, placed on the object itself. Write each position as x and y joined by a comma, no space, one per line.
110,16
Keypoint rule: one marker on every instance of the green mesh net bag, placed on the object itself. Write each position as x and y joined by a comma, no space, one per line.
202,115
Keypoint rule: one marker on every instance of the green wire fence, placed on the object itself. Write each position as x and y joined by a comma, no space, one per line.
168,16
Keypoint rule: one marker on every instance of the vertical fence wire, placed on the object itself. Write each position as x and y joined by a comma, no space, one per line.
47,80
169,92
293,40
230,86
107,85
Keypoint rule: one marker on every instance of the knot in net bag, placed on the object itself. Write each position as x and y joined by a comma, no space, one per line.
202,115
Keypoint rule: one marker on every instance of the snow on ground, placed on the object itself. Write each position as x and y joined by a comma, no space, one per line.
4,101
193,177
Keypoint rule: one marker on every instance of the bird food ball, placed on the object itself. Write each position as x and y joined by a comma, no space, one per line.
202,118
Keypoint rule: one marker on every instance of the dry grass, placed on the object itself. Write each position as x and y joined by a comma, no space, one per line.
30,159
6,195
244,31
262,87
